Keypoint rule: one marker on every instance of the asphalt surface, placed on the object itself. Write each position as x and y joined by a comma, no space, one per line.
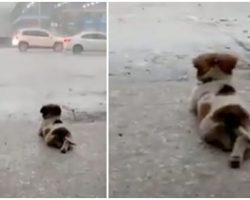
77,83
155,149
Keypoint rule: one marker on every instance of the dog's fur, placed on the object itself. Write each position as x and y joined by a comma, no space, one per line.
223,118
52,129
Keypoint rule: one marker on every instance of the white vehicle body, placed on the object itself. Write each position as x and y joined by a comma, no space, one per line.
36,38
88,41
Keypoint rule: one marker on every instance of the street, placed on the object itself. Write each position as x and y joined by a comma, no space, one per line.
78,84
155,149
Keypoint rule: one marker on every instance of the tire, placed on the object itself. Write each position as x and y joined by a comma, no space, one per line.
77,49
23,46
58,47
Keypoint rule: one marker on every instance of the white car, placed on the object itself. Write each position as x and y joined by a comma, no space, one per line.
86,41
37,38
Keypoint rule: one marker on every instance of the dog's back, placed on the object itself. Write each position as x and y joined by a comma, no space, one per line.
223,106
223,116
53,130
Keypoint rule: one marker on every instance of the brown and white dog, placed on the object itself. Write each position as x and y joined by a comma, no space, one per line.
53,130
223,118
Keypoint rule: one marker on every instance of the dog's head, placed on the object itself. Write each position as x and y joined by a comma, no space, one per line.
50,110
216,66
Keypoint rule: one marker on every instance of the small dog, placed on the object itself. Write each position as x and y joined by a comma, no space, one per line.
223,118
52,129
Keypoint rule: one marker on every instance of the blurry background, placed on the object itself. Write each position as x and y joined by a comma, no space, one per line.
63,18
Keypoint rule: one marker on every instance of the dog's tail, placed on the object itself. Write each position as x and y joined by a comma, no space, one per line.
235,119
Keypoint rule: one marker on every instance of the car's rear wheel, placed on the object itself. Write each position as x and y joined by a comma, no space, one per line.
58,47
23,46
77,49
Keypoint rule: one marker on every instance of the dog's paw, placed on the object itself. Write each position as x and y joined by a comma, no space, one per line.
235,162
63,150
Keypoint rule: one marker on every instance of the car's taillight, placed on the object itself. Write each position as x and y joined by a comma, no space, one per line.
67,39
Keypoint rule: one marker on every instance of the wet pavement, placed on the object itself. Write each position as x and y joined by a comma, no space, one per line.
155,150
77,83
30,169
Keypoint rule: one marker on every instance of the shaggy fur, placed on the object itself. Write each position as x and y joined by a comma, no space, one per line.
52,129
222,116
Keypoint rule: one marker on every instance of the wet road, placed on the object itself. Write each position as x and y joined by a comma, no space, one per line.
27,81
155,150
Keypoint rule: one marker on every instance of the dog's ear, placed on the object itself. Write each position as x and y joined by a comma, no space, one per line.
197,62
227,63
205,61
44,110
51,109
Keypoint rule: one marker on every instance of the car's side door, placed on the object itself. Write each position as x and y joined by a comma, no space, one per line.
88,41
100,42
30,36
45,39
